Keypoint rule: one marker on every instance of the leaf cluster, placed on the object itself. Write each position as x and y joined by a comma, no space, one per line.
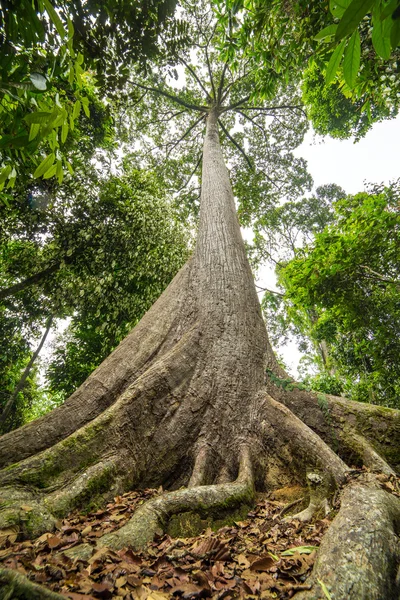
349,279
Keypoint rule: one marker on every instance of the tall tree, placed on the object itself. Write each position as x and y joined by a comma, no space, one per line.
194,395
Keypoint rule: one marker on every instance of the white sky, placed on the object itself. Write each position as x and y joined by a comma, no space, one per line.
374,159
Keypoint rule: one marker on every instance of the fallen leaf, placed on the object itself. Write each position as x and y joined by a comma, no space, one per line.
262,564
8,535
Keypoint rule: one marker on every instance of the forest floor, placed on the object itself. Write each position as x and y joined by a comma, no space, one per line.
263,555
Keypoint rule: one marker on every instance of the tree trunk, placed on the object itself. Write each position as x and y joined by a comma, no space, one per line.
195,397
21,383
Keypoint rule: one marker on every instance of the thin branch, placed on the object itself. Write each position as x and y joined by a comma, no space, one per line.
33,279
235,104
193,125
260,127
281,107
262,289
170,97
210,71
194,74
379,276
235,143
221,84
191,174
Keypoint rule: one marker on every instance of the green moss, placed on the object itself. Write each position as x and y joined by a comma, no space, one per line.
42,476
190,524
90,498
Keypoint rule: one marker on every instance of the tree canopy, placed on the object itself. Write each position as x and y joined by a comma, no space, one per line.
342,291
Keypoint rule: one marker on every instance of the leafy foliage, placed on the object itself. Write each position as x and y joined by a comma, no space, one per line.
49,51
342,77
349,279
100,253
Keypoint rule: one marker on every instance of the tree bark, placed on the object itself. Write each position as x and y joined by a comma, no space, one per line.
194,397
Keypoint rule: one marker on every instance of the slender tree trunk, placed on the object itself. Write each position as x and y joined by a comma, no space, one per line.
21,383
195,397
32,280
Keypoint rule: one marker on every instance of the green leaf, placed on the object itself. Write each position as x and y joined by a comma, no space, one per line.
64,132
352,17
34,130
381,37
324,589
50,172
40,117
338,7
327,32
44,165
59,171
351,61
5,173
71,29
85,104
334,63
54,18
69,167
39,81
77,109
300,550
395,34
389,10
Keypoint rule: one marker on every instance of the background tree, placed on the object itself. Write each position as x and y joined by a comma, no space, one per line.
99,256
194,395
349,278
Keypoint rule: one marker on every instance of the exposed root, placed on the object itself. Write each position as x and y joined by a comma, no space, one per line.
152,517
282,428
14,586
200,469
337,420
320,488
369,456
359,555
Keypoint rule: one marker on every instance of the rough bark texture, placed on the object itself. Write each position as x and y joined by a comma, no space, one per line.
195,397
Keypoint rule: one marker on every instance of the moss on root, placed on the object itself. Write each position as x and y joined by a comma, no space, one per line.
190,524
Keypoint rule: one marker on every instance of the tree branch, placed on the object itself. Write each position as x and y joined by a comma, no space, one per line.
191,174
185,134
235,104
235,143
262,289
379,276
36,278
194,75
170,97
221,83
281,107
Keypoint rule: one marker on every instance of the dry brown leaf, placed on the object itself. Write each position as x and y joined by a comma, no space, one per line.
264,563
242,561
54,542
8,535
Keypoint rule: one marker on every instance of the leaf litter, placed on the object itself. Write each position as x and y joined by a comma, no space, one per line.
261,557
